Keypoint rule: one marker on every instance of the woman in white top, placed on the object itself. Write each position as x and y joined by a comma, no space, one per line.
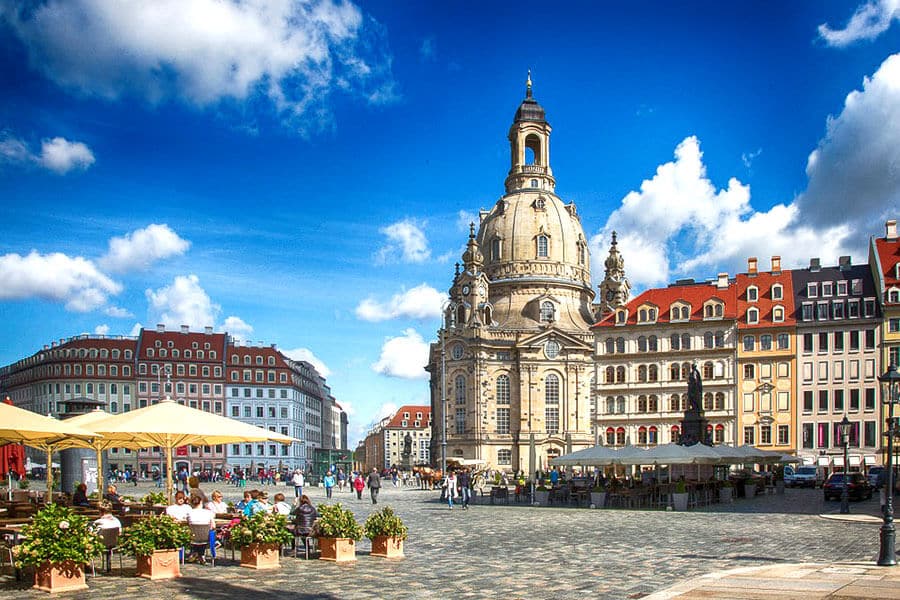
179,511
199,516
450,485
107,520
281,507
216,504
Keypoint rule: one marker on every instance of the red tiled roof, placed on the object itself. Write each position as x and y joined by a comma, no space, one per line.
763,282
663,298
888,257
396,420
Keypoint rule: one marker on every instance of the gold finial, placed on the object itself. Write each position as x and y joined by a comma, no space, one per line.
528,85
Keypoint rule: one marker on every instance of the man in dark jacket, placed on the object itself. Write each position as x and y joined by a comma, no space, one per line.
374,483
464,482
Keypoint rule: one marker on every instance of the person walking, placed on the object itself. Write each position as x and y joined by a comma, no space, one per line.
328,482
359,485
297,481
374,483
450,485
465,491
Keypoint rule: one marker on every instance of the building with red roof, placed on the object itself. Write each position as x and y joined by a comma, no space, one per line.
383,446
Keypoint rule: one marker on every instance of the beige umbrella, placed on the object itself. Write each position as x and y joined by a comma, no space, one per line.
45,433
87,421
170,424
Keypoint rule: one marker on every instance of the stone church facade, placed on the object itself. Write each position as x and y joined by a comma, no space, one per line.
511,372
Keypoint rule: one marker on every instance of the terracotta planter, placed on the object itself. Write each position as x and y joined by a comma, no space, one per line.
66,576
162,564
387,546
337,549
542,497
261,556
598,499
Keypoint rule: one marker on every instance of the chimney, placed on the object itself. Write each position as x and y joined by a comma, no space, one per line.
776,265
890,230
844,263
752,265
722,282
208,330
160,328
185,328
815,265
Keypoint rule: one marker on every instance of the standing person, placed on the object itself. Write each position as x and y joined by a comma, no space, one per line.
341,479
464,481
450,485
359,485
374,483
328,482
297,481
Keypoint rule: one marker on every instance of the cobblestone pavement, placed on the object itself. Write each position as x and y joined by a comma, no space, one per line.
517,551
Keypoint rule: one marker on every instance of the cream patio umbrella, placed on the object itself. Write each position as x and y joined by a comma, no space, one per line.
596,456
45,433
99,444
170,424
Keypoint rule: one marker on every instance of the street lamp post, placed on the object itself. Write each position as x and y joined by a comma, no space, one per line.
845,440
890,392
443,404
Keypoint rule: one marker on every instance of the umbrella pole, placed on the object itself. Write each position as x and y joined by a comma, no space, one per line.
168,478
99,472
48,498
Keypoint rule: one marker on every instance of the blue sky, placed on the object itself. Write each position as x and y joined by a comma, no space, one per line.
303,173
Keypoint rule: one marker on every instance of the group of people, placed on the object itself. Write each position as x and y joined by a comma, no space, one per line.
457,485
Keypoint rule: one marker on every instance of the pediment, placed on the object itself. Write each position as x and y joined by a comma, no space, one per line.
563,339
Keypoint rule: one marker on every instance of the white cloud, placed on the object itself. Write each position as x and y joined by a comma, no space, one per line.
142,247
305,354
58,154
183,302
135,330
403,357
406,243
868,22
237,328
101,329
857,163
679,223
118,312
74,281
421,302
61,156
292,54
464,220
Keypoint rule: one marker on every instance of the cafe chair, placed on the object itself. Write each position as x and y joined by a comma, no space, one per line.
200,538
110,539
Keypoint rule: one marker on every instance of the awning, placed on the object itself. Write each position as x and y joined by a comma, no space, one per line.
808,460
824,461
870,459
838,461
855,460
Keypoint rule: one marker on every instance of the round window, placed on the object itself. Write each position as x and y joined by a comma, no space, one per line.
457,351
552,349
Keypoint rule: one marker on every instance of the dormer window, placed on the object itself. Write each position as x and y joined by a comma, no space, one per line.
647,315
548,312
893,296
812,290
856,287
713,310
752,316
679,313
827,289
621,317
842,288
777,292
752,293
778,314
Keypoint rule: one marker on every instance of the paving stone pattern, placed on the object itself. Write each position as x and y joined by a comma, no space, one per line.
518,551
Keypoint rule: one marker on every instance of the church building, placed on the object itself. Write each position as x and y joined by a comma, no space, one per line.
511,372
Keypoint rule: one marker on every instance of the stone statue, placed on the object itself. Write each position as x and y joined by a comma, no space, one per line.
695,389
694,426
407,445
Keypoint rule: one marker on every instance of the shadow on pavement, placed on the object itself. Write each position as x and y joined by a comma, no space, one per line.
205,588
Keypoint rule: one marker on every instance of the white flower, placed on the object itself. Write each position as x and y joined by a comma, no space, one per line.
63,524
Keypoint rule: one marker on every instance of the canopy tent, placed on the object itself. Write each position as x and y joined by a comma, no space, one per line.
18,425
631,455
170,424
596,456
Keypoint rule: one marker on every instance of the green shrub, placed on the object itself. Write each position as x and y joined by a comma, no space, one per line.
57,534
154,498
261,528
335,521
159,532
385,522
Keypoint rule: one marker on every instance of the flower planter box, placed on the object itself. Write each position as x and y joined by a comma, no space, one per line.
680,501
337,549
598,499
542,498
261,556
725,495
66,576
387,546
162,564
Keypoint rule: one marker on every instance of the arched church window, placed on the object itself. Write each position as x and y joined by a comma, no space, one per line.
460,389
551,389
460,315
581,254
534,183
620,374
543,246
547,312
495,249
488,315
503,389
610,375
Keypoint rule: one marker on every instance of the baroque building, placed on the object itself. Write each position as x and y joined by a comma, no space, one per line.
511,371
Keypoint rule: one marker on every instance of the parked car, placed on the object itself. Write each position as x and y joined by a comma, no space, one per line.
857,486
802,477
877,477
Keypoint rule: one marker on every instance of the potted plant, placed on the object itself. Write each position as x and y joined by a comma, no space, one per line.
58,543
260,538
154,541
541,495
387,532
154,498
598,496
337,531
680,497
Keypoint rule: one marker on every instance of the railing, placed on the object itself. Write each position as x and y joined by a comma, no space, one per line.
533,169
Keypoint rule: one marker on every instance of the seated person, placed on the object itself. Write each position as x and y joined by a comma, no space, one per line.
216,505
112,495
199,516
256,503
180,510
79,498
107,520
281,507
248,498
194,485
304,516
